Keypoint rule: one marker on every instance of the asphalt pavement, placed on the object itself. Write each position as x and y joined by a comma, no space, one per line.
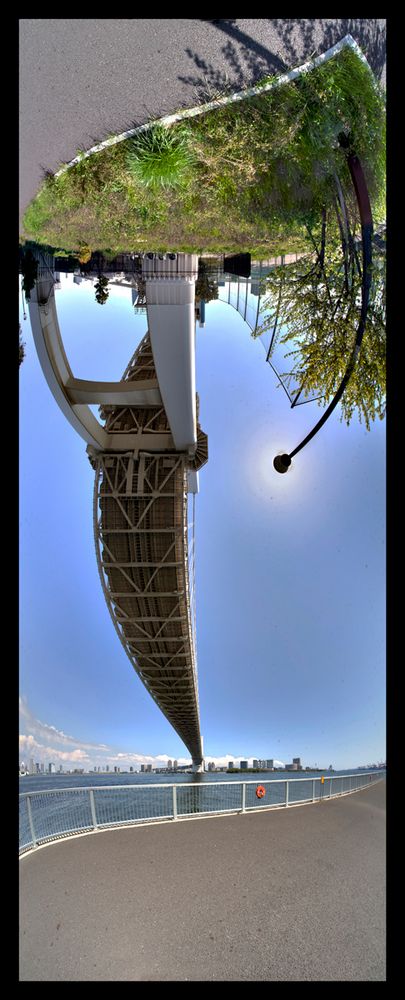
83,79
291,895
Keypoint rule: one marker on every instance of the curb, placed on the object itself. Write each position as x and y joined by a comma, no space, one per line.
240,95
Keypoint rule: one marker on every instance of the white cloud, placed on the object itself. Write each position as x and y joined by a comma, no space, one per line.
46,731
31,747
45,742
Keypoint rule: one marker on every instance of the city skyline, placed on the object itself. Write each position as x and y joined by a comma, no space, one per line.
290,570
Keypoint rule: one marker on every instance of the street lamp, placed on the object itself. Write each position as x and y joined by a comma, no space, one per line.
282,462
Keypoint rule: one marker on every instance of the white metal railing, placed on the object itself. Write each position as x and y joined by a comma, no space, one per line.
53,813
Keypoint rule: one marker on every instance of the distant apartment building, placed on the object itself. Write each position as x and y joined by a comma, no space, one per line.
107,767
270,763
51,768
60,769
37,768
148,768
131,770
142,768
231,765
211,766
255,763
243,765
32,766
169,765
175,765
297,761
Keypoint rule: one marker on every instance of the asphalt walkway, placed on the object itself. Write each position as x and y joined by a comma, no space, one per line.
82,79
289,895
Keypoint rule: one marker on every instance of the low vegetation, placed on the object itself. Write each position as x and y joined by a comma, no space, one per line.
250,176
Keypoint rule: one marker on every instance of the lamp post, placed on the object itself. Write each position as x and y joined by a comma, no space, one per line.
282,462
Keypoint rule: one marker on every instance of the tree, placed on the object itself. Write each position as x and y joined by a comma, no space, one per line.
21,349
317,303
205,287
84,254
101,289
29,270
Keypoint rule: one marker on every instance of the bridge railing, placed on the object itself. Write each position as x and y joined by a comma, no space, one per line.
52,814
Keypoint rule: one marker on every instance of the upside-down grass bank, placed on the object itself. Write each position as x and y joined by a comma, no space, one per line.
251,175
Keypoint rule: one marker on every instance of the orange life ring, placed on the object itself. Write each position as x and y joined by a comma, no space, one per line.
260,791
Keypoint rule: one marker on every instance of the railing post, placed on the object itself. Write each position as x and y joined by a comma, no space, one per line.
93,809
286,793
174,790
331,786
313,789
243,796
350,782
31,822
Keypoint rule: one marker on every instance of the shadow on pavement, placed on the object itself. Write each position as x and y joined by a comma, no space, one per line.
294,41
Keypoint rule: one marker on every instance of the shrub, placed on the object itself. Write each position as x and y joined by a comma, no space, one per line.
160,157
84,254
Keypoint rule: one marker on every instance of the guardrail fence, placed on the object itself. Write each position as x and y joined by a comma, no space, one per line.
55,813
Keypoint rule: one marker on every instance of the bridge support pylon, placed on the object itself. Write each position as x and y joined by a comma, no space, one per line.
197,768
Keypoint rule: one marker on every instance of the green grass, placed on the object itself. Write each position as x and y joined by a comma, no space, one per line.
161,157
248,176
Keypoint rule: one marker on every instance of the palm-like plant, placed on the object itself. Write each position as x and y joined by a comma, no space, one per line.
161,157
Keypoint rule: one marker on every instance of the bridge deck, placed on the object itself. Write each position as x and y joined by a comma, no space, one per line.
295,894
142,544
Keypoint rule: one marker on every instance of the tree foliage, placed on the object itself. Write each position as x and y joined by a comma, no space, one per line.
316,306
100,288
205,287
84,254
21,348
29,270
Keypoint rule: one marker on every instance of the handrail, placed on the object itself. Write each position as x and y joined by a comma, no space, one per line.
197,784
89,812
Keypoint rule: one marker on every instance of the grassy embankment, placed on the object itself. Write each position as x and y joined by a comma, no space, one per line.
249,176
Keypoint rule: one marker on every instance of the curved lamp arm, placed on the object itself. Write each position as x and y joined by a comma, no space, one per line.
282,462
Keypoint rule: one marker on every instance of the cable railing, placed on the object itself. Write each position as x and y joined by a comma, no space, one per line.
53,814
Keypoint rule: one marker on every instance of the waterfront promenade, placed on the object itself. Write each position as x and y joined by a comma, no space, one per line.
286,895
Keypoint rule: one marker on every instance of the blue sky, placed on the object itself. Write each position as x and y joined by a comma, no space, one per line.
290,570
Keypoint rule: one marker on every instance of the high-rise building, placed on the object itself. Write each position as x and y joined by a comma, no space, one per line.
42,768
169,765
130,770
32,766
142,768
60,769
269,763
243,765
37,768
148,768
175,765
256,763
230,765
107,767
51,768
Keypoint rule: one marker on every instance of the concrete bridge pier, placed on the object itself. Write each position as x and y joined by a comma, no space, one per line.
197,768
